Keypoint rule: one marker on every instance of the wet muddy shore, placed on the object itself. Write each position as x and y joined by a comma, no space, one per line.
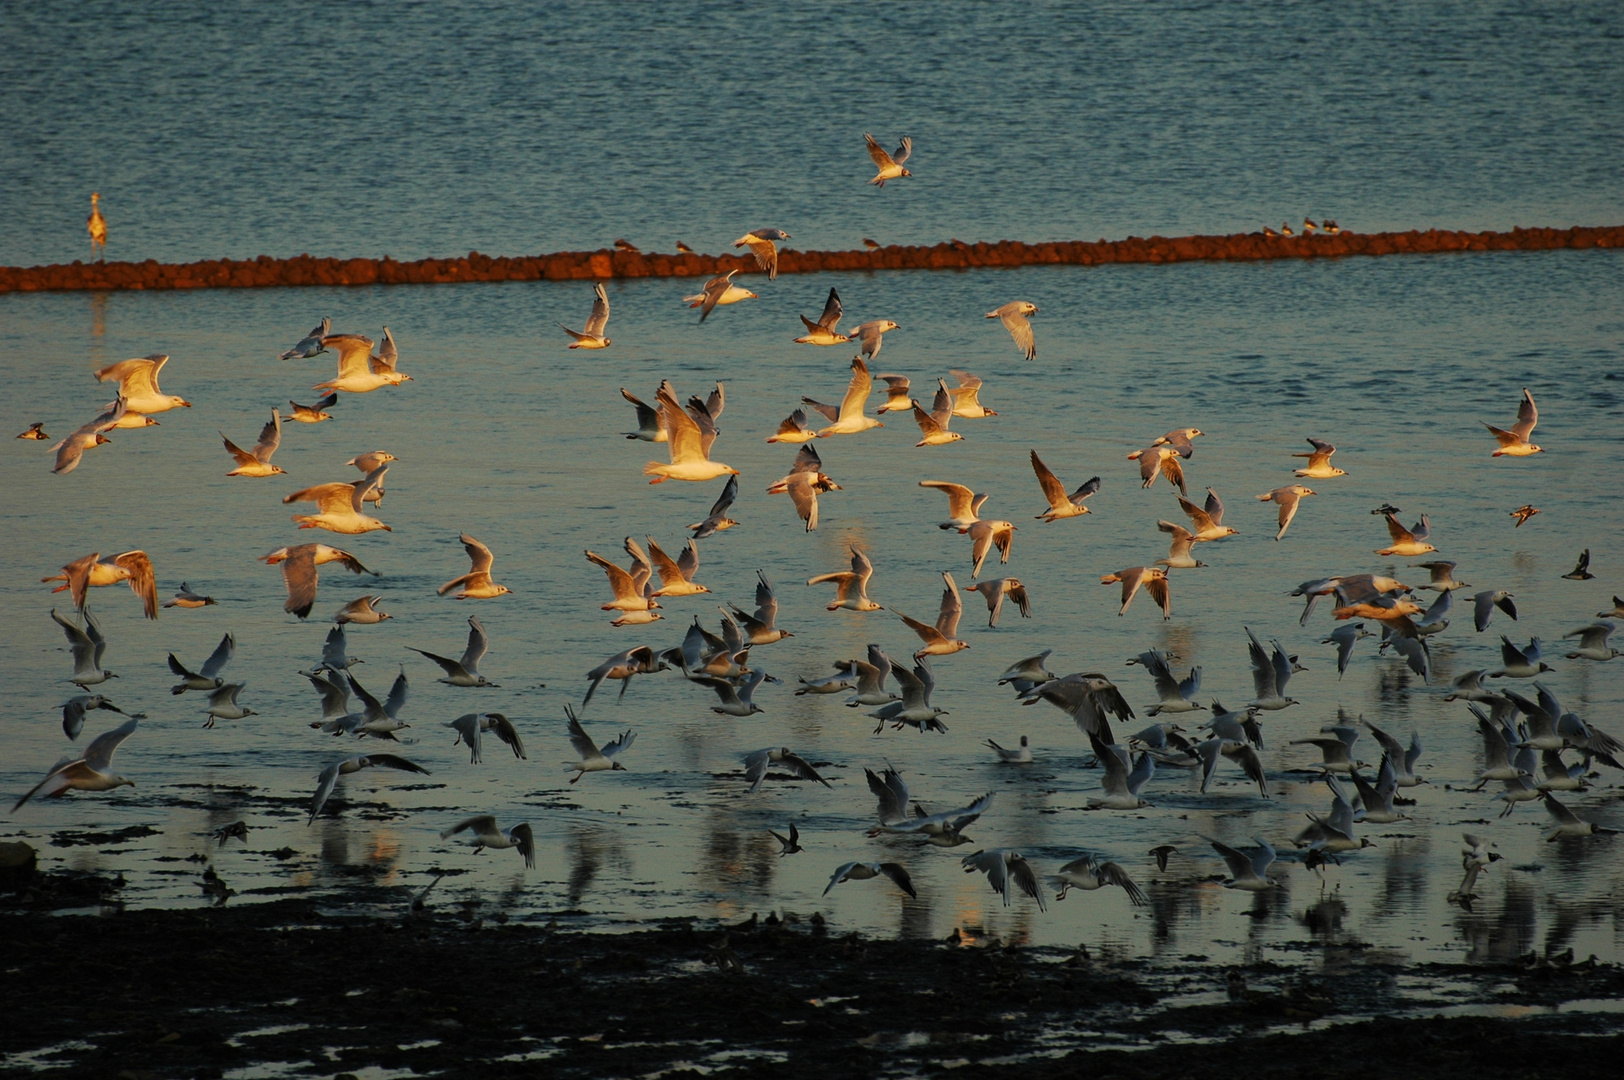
305,270
298,988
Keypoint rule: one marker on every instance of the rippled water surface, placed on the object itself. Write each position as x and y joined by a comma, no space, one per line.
418,131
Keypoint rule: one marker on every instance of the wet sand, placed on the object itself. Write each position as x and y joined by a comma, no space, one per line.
298,988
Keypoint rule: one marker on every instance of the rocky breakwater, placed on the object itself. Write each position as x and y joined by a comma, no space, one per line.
306,270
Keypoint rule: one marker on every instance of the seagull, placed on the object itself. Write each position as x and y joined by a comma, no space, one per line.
1270,674
871,678
871,336
1178,552
842,679
476,584
986,535
1121,787
933,425
207,676
70,450
1153,579
794,429
1021,755
1521,663
1581,569
592,337
1436,618
1243,754
361,612
1287,498
335,696
96,225
851,586
312,414
87,646
942,830
330,775
1157,461
465,672
1568,824
967,396
1088,873
757,762
689,445
369,463
823,332
1484,603
1401,760
1003,866
1061,505
223,705
138,385
860,871
311,343
74,710
359,372
735,700
630,586
1344,637
758,628
636,661
258,461
1319,465
650,425
335,652
760,243
592,758
915,708
1443,576
898,394
1376,800
1593,642
676,574
1029,671
890,165
35,432
339,506
470,727
808,462
487,835
995,589
849,418
1089,698
1013,315
299,564
940,640
1523,513
1513,443
1411,541
1175,695
718,291
788,845
91,571
1335,750
88,771
1248,872
963,505
1209,519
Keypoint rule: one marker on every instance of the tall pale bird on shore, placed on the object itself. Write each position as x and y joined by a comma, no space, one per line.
96,225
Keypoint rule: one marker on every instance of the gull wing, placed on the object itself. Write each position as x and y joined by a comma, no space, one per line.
337,498
832,312
585,748
478,644
1527,417
877,152
354,353
952,609
452,668
99,752
857,390
805,497
685,439
1053,489
270,438
599,318
220,657
902,152
142,580
801,767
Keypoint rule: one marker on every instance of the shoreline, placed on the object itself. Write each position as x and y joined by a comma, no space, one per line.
306,270
294,987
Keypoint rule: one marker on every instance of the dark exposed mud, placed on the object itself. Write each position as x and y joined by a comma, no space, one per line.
296,988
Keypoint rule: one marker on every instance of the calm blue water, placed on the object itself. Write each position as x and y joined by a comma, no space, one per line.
490,130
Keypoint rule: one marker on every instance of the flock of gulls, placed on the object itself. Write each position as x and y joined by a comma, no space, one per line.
1535,750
